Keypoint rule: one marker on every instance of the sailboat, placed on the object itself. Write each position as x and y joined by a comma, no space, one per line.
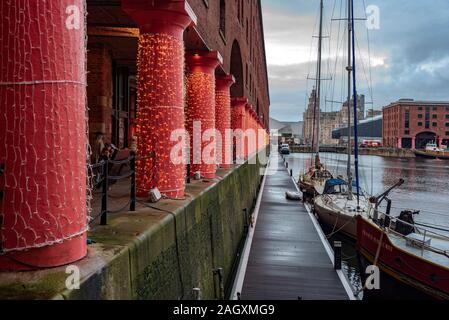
343,200
313,181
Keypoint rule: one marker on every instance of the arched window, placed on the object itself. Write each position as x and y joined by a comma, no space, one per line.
223,17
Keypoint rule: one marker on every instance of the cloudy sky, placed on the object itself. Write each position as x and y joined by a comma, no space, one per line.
408,54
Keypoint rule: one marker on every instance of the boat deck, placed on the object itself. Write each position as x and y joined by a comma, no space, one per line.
288,259
436,242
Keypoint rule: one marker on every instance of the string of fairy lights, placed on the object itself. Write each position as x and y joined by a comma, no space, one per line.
160,112
42,129
200,89
223,124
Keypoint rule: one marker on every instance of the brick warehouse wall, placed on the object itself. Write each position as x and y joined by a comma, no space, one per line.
394,120
99,90
248,32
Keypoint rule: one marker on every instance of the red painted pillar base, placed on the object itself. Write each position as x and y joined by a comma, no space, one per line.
42,134
201,111
160,94
223,118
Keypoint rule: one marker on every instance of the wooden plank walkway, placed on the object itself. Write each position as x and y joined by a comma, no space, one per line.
287,260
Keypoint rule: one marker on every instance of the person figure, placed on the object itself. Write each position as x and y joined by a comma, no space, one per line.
106,152
98,147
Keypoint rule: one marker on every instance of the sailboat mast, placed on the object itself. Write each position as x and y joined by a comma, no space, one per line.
356,135
349,69
318,81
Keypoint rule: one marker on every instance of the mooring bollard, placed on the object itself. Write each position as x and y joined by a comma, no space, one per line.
196,293
337,255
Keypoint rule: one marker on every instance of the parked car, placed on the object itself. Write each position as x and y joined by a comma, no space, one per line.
285,149
371,144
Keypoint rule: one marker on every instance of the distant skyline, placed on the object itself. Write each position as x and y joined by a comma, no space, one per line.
409,53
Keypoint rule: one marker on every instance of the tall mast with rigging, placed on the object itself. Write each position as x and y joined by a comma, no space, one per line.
317,102
349,69
356,136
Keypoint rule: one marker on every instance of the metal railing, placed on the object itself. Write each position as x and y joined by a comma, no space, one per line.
103,171
427,233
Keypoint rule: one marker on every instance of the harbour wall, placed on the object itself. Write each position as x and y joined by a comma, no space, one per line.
159,252
382,152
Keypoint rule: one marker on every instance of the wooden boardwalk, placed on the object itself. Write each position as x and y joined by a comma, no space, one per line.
288,260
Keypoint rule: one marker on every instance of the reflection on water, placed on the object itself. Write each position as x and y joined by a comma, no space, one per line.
426,188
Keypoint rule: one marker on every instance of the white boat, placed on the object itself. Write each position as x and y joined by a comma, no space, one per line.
340,204
339,212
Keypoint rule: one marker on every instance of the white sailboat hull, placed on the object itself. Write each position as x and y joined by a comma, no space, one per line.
340,214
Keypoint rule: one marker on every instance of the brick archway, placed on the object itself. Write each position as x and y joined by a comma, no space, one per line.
425,137
237,71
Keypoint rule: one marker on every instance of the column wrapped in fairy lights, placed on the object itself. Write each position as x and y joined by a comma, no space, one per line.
223,118
200,110
238,126
249,131
43,210
160,93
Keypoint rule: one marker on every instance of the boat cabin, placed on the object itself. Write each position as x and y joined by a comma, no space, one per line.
337,185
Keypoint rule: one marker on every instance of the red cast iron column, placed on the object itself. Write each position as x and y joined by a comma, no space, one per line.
43,137
201,110
223,117
160,92
238,123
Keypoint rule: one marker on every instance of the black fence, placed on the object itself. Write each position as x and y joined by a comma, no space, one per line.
105,178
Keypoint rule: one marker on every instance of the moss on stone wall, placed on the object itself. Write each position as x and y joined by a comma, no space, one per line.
160,252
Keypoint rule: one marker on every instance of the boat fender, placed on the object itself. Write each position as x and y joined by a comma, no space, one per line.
295,196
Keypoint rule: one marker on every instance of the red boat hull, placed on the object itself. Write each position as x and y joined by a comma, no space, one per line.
420,274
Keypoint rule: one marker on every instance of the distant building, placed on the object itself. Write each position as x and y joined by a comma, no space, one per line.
371,113
412,124
360,110
328,122
310,118
288,129
368,129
